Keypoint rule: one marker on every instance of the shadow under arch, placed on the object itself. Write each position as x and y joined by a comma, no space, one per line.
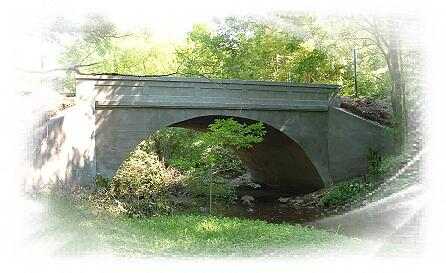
278,161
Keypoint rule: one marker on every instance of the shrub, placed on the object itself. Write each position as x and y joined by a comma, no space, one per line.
344,193
225,136
171,144
219,144
142,184
390,164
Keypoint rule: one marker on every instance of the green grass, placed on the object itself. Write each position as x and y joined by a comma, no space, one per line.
80,232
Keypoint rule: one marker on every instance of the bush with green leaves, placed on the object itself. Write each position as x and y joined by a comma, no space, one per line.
176,147
345,192
143,184
209,158
224,134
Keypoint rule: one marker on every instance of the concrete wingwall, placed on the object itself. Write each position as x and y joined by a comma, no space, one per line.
351,138
64,151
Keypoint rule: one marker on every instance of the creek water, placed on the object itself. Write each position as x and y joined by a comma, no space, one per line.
275,212
267,207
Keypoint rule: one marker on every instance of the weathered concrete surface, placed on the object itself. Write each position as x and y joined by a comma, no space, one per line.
64,151
309,144
349,140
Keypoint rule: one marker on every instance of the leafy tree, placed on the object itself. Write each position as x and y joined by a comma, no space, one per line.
286,47
227,134
385,49
218,144
84,44
97,46
213,150
139,55
253,50
337,36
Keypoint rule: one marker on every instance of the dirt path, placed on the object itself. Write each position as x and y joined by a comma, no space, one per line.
394,223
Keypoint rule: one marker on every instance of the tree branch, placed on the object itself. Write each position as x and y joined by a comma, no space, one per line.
119,36
74,68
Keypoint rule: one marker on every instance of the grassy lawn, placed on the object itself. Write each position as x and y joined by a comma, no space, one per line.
78,231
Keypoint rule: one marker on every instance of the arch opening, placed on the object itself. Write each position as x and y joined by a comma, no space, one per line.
274,168
278,163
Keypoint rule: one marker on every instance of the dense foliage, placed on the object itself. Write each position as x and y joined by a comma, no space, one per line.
283,47
255,50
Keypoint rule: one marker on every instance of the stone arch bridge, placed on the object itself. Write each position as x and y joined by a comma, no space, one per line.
310,141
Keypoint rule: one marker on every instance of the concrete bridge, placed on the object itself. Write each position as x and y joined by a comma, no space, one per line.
310,142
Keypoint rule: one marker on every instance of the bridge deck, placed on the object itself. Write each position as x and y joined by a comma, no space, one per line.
192,93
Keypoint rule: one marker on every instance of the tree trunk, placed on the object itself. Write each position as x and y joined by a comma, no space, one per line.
405,112
397,89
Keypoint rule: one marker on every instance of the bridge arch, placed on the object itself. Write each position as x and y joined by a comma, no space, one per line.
128,109
115,113
279,161
121,111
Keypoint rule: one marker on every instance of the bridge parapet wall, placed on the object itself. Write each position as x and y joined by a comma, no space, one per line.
215,94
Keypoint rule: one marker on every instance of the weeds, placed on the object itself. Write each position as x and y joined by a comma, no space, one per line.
355,189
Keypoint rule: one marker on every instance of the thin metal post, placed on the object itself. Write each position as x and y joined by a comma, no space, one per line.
354,70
